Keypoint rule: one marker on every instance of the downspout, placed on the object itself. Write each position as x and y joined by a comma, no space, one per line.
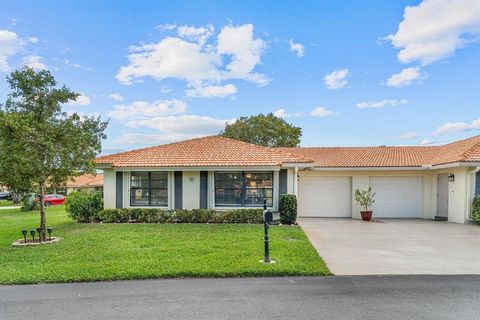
469,194
295,183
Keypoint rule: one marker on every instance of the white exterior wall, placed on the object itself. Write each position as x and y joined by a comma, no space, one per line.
459,193
109,182
191,190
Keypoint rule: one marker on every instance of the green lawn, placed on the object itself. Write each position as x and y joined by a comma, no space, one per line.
5,203
92,252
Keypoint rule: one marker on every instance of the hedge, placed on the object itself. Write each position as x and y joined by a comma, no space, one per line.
141,215
476,210
83,206
288,209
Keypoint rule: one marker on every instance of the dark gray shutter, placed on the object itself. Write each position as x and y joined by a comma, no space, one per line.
178,189
203,189
282,180
119,190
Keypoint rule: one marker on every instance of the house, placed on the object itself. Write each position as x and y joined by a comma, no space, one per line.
85,182
220,173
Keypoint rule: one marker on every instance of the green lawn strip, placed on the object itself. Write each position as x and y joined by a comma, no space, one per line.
6,203
94,252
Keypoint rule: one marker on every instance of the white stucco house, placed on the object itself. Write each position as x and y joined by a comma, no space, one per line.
214,172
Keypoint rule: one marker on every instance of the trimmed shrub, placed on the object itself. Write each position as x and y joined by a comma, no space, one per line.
29,203
288,209
84,206
154,215
476,210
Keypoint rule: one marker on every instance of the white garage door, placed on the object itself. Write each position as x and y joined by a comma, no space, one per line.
397,197
324,197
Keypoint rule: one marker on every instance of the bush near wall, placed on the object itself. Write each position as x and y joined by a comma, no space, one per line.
476,210
288,209
84,206
142,215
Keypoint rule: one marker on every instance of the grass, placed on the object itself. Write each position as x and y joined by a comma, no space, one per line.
6,203
94,252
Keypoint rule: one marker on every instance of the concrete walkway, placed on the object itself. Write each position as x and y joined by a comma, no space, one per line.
395,246
10,207
372,298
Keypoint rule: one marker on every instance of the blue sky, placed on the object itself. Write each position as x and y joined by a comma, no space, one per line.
349,73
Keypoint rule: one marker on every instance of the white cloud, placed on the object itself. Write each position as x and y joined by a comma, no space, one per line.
212,91
181,124
381,104
197,59
321,112
165,89
199,35
455,127
297,48
10,44
115,97
34,62
337,79
166,27
82,100
132,138
426,142
434,29
140,110
409,136
75,65
406,77
33,39
282,113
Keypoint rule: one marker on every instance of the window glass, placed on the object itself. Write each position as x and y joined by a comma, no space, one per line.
149,189
237,189
477,184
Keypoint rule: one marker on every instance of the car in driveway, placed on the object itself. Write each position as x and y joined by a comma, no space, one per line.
53,199
5,196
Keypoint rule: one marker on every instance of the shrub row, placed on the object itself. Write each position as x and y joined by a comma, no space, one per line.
288,209
141,215
476,210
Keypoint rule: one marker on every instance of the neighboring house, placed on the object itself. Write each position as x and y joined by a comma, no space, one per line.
85,182
220,173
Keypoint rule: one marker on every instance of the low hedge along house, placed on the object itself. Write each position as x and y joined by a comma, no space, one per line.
220,173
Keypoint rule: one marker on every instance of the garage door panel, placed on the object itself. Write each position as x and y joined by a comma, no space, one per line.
397,197
324,197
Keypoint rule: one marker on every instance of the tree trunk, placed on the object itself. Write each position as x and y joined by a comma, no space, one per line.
42,212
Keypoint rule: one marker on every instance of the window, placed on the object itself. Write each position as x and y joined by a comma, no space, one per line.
243,189
149,189
477,184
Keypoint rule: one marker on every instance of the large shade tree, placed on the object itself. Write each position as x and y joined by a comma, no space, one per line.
40,145
265,130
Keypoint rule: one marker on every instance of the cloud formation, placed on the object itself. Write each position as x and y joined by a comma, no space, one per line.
406,77
195,56
381,104
456,127
337,79
321,112
297,48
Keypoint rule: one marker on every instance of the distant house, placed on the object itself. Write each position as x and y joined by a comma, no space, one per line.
85,182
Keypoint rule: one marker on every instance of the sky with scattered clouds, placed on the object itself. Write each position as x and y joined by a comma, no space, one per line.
349,73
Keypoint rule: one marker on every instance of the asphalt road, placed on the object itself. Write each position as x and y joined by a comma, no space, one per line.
341,297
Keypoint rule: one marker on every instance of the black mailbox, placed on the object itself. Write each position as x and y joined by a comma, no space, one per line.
268,216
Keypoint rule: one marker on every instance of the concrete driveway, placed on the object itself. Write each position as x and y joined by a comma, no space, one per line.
354,247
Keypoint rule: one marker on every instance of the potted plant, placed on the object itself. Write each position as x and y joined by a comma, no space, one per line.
365,198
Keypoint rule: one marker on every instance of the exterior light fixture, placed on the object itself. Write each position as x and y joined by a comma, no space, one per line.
32,233
39,230
49,230
451,177
24,233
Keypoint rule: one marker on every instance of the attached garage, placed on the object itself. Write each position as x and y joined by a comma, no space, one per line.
324,197
397,197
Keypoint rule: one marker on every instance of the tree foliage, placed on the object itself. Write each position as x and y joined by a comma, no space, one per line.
40,144
265,130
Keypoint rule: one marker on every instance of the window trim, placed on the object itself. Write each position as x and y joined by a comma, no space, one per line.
243,190
149,188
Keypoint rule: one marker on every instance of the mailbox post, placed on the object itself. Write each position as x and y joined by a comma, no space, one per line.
267,219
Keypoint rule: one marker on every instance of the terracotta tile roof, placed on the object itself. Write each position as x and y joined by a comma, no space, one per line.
86,180
212,151
467,150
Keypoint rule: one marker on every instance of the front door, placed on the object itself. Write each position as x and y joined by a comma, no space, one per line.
442,196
